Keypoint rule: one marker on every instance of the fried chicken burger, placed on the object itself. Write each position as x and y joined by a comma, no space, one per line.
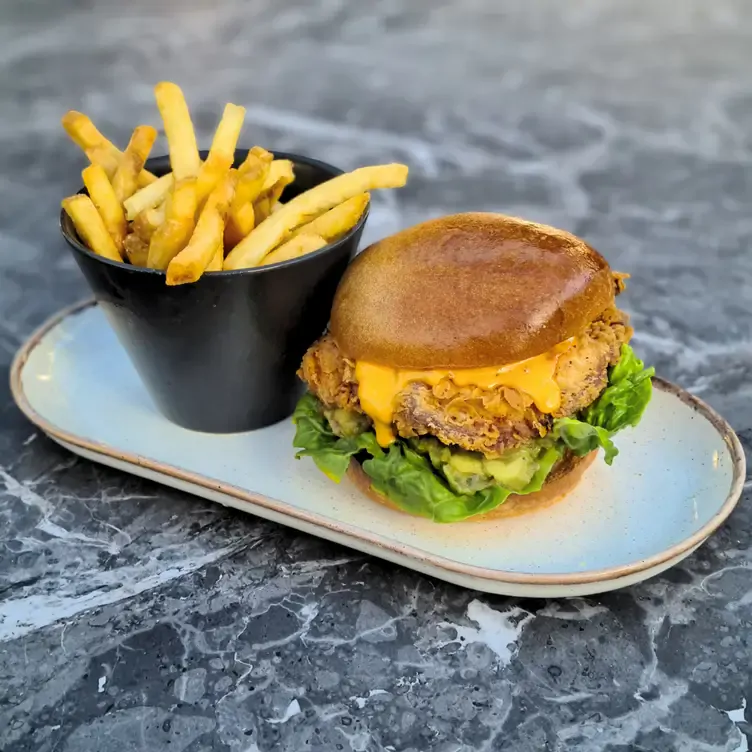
474,365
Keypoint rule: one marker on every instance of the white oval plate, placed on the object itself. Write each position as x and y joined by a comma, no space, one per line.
676,479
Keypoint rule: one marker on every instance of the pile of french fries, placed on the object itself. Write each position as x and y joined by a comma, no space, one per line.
206,216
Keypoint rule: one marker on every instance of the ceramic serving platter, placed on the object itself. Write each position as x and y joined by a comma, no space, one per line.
678,476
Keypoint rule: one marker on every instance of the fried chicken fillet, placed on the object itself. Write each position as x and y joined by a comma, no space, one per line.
480,420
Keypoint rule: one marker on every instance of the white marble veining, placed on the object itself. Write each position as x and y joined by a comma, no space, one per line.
627,122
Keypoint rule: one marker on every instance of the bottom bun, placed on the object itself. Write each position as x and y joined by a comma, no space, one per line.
565,475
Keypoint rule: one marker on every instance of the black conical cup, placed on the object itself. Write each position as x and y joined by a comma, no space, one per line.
220,355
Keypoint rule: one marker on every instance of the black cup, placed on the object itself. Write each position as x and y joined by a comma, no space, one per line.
220,355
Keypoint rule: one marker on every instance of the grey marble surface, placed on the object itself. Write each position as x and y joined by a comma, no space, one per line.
137,618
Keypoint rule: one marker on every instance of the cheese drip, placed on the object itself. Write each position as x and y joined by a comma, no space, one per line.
378,386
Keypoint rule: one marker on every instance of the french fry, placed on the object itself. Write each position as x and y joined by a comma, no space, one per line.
103,196
281,174
188,265
215,265
221,197
239,223
251,179
85,135
337,221
262,208
255,155
279,169
309,205
173,234
207,216
96,147
298,246
194,259
136,250
125,180
181,139
208,179
222,152
90,226
276,191
146,222
252,176
149,196
102,156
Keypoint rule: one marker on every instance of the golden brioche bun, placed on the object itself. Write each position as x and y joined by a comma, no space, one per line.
564,477
468,291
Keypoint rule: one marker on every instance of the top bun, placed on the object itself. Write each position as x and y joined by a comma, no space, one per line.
467,291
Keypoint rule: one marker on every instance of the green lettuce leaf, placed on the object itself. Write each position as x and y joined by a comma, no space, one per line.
621,404
408,479
582,438
624,400
315,439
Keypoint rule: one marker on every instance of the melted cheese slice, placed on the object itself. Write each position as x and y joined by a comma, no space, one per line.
378,386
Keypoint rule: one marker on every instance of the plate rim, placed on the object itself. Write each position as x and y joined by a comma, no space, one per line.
721,426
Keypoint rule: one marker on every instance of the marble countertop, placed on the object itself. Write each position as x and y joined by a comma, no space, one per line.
133,617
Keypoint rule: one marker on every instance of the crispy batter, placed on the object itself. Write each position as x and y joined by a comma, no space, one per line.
582,372
475,419
330,375
483,420
620,281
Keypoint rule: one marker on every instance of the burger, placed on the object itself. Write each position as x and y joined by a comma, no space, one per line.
473,367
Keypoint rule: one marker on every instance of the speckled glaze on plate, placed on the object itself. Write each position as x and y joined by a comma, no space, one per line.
677,478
